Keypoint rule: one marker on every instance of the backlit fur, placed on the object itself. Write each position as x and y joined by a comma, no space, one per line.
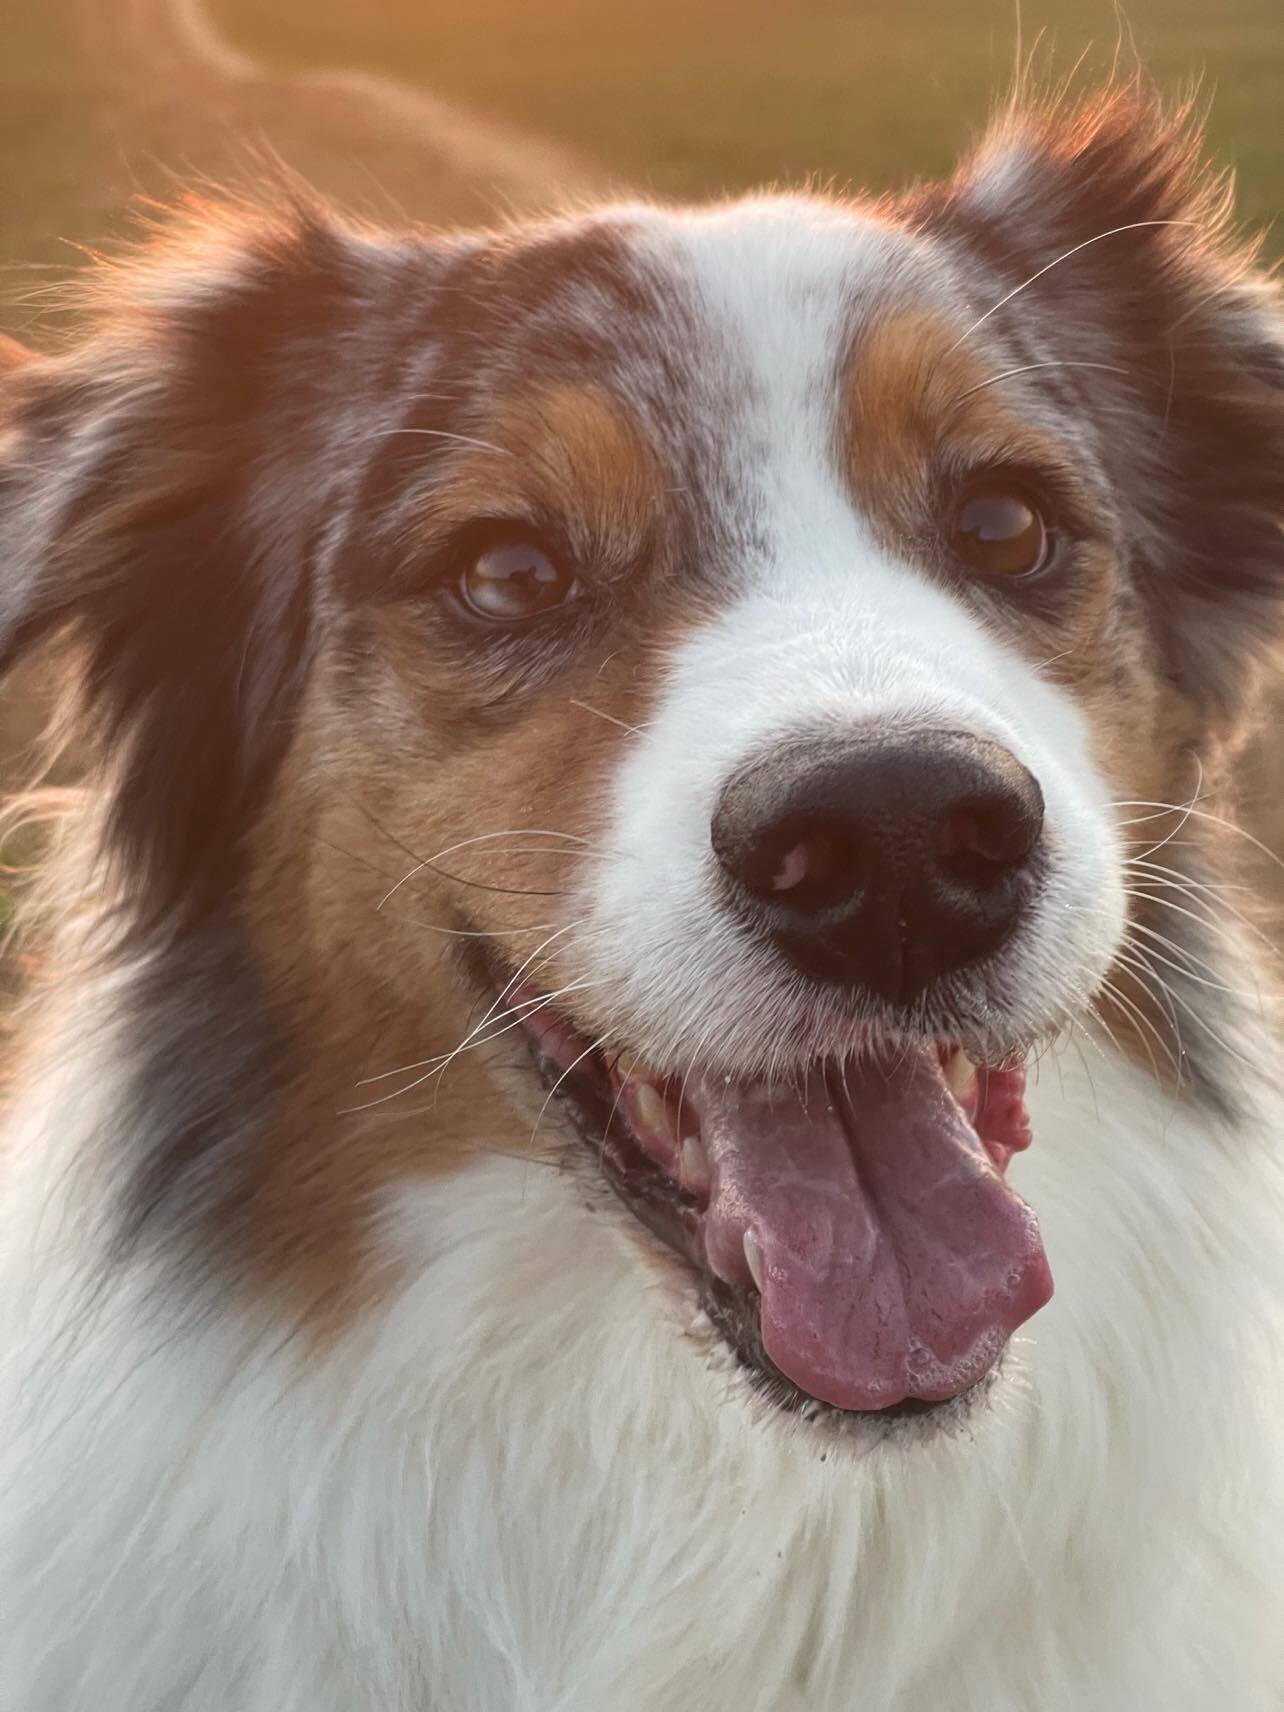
336,1380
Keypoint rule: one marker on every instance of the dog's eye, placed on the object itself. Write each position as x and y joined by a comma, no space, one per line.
1001,528
515,579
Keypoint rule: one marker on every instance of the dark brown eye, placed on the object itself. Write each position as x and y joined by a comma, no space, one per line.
514,580
999,528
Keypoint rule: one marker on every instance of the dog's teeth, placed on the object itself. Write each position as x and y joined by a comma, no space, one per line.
693,1165
960,1075
652,1113
753,1258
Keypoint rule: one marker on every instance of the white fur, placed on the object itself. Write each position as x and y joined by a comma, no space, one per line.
856,641
824,631
528,1483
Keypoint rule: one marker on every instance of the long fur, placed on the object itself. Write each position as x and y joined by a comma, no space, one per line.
314,1403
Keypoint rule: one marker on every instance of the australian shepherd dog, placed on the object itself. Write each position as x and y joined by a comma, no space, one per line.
656,871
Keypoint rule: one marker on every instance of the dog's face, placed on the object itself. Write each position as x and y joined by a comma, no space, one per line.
705,665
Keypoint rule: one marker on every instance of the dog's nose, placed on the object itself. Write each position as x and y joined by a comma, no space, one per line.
883,862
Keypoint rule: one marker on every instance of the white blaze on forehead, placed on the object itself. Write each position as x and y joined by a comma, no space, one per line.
822,629
778,288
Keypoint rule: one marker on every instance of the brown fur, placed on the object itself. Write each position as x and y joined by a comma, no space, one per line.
395,775
906,387
909,410
562,451
399,789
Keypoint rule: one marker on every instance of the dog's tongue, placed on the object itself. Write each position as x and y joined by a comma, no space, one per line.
895,1261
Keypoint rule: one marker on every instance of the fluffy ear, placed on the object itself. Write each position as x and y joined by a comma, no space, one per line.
13,356
146,512
1112,240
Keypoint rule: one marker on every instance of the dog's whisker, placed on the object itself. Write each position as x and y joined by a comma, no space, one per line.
498,1004
1029,368
1214,930
512,1013
1213,895
1158,991
1217,889
1065,256
610,718
484,886
1202,1023
438,1065
429,862
444,434
1189,812
1184,812
610,1116
1209,899
523,968
588,1052
697,1057
1078,1033
467,932
1052,659
1222,926
1139,1017
1184,967
573,855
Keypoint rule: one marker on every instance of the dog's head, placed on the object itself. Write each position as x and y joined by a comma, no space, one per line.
718,663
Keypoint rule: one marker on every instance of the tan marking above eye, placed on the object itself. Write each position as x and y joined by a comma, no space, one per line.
512,580
915,406
999,528
573,453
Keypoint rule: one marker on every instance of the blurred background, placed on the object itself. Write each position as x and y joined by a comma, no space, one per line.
679,97
688,97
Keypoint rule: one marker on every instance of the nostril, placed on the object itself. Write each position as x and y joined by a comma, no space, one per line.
807,860
806,866
982,840
883,862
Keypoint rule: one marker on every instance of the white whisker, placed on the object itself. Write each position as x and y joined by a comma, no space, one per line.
610,718
496,1006
445,434
1029,368
1196,1018
1213,820
467,932
588,1051
1139,1017
1182,968
439,1065
1132,226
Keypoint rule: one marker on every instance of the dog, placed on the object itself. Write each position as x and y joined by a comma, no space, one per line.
116,100
648,1086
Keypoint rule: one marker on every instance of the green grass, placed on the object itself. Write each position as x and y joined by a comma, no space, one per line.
692,96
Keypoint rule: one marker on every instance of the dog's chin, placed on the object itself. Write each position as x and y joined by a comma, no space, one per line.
850,1235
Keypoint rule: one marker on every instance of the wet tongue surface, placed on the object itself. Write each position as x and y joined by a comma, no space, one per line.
896,1260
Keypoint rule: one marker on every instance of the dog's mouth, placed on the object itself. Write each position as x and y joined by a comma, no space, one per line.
854,1230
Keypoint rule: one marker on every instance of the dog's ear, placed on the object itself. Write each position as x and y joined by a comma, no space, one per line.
13,356
143,517
1110,240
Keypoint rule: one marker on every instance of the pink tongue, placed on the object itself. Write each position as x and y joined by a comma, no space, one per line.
896,1261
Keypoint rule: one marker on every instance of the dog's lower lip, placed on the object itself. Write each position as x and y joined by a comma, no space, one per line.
734,1176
